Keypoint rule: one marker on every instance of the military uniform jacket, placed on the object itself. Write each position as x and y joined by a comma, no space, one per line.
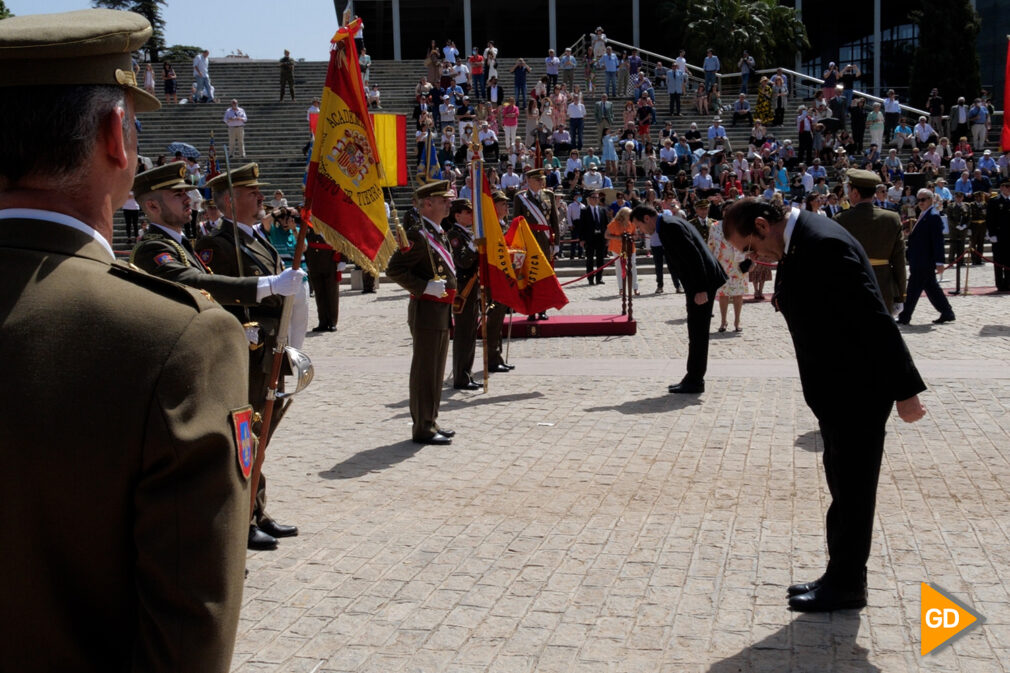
998,219
850,353
257,258
547,234
158,254
879,232
957,216
703,225
121,483
412,268
464,255
320,257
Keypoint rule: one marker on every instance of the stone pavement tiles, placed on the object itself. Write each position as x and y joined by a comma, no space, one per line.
585,520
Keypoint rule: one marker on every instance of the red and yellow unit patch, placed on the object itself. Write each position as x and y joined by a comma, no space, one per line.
245,441
163,259
206,255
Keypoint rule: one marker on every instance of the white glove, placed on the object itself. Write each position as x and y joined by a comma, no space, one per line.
898,307
287,282
557,249
962,227
992,239
435,288
341,266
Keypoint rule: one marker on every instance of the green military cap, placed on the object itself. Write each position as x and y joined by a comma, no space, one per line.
499,196
702,203
169,176
536,173
209,203
433,189
459,205
863,179
244,176
86,47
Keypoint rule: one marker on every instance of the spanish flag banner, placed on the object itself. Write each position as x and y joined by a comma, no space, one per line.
538,286
391,138
344,184
1004,142
498,275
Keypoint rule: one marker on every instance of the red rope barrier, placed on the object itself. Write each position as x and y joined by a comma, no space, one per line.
983,257
591,273
954,263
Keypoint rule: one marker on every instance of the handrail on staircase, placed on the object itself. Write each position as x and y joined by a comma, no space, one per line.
579,47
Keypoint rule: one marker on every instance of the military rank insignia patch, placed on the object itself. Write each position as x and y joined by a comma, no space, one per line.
245,441
164,258
206,255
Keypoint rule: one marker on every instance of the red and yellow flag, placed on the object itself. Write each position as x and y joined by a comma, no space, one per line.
344,184
1004,142
391,139
499,276
538,285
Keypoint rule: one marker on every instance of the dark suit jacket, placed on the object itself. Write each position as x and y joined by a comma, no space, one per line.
592,228
850,353
694,263
925,243
499,94
124,507
159,255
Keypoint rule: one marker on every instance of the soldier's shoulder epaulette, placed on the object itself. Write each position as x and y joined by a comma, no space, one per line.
198,299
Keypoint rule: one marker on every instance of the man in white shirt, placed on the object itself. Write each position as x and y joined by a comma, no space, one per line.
511,180
576,120
235,119
593,179
201,77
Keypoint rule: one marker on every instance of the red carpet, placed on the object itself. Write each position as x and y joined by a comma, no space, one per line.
558,325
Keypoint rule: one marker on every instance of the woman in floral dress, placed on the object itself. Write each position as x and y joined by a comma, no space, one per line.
736,285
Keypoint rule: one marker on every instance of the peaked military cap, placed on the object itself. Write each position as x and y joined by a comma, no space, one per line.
702,203
244,176
499,196
170,176
460,205
863,179
86,47
436,188
536,173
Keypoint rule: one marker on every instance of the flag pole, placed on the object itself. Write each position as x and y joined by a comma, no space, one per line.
477,191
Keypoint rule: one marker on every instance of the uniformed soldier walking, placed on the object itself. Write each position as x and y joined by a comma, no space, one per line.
256,259
537,205
998,227
879,232
123,411
427,271
466,309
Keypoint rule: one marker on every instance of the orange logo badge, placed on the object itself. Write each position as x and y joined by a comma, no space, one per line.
942,618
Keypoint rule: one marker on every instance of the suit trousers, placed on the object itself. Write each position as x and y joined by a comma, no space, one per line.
852,456
324,285
675,103
495,326
596,250
236,141
920,280
464,338
1001,257
699,323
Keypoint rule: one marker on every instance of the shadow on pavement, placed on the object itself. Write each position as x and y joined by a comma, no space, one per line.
457,399
994,331
810,441
652,405
372,460
809,643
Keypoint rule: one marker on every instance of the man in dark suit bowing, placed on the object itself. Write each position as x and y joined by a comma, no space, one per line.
925,260
701,275
592,230
853,367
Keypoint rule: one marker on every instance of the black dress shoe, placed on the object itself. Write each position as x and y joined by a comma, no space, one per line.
447,432
944,318
899,321
543,316
260,541
274,529
501,369
437,438
599,281
507,366
688,388
331,328
319,328
828,597
472,385
804,587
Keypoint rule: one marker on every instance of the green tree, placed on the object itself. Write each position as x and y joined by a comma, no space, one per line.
947,57
770,32
150,10
4,12
180,53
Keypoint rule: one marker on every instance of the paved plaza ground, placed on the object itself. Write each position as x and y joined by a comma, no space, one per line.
585,520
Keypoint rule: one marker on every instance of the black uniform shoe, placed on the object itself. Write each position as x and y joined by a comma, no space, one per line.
804,587
508,366
437,438
260,541
686,387
502,368
472,385
599,281
829,597
944,318
447,432
320,328
274,529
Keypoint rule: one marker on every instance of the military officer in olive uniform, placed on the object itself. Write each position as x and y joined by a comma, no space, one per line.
123,408
324,272
977,216
538,206
958,221
701,221
998,227
427,271
497,311
257,259
163,250
879,232
459,230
